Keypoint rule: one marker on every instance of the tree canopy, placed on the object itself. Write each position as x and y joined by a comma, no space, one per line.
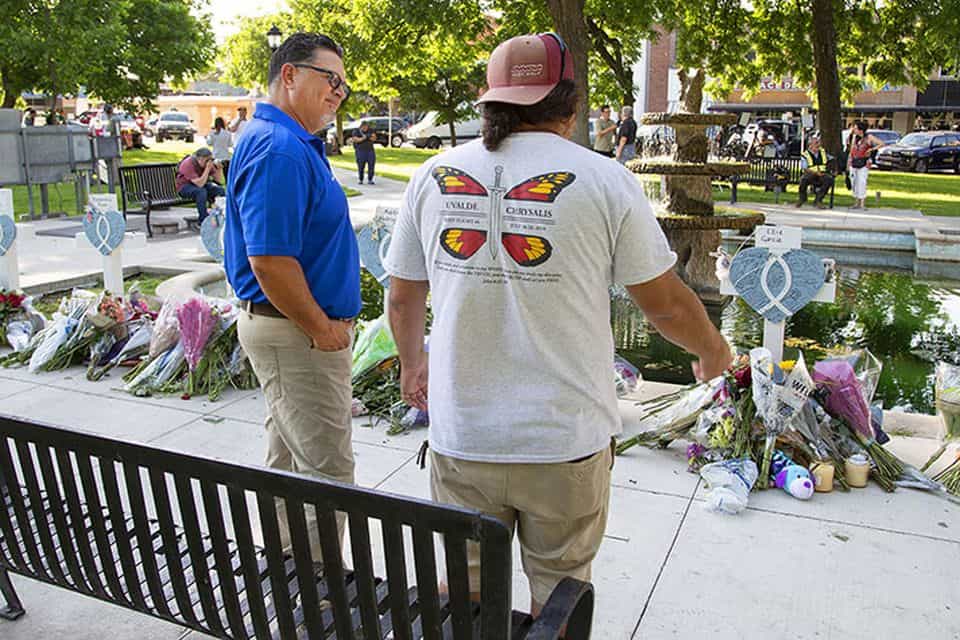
120,51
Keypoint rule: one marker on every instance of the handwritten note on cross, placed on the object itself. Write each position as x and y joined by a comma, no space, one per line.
777,278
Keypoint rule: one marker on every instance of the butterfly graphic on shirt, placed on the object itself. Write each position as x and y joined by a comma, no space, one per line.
526,250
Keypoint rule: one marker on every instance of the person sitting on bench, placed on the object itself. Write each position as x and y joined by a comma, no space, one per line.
197,179
816,173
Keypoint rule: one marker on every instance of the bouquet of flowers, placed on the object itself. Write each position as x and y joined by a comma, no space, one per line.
948,406
196,320
136,344
844,397
11,306
71,335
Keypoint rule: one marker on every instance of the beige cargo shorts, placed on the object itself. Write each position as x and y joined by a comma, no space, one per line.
558,510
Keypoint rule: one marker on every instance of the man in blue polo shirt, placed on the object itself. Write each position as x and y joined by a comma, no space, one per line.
291,256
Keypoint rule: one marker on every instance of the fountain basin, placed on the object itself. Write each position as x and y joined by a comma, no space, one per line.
744,222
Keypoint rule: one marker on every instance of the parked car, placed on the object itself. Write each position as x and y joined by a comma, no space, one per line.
921,152
430,134
174,125
379,126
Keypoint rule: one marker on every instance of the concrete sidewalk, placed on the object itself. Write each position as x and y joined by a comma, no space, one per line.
47,262
865,565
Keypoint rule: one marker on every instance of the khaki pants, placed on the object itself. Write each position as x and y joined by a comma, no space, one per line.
559,511
308,396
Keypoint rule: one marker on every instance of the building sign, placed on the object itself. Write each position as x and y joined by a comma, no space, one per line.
782,84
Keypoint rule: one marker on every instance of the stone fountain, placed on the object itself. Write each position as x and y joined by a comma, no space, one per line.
687,215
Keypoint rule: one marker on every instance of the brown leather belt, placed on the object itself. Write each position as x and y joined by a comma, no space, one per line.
270,311
261,309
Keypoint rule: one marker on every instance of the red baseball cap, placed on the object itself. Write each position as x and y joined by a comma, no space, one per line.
523,70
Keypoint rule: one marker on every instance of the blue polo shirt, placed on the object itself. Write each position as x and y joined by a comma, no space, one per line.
283,200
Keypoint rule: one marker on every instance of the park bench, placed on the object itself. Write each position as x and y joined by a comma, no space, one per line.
774,174
172,535
152,186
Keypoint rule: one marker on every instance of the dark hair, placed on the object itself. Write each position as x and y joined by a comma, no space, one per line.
219,124
861,124
501,119
299,48
604,106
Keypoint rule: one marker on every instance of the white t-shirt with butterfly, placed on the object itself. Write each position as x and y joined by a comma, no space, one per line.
520,246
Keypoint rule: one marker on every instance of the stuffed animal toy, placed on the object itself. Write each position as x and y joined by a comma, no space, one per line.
790,476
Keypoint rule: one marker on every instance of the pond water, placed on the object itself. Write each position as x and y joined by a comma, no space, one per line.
907,322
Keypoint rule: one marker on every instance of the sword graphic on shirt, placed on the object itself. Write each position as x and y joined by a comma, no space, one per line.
496,211
525,250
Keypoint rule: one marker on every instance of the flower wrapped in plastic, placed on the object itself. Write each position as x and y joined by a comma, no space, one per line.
166,328
845,397
670,417
196,320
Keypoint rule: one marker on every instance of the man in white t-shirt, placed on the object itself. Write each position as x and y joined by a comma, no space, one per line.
237,124
518,238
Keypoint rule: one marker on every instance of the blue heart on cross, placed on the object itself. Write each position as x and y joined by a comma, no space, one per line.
777,286
8,233
104,229
373,241
211,234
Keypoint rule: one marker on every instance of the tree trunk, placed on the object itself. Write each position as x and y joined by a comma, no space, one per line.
10,92
569,22
824,37
453,132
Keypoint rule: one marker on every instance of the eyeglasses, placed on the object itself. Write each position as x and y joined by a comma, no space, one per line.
563,50
333,77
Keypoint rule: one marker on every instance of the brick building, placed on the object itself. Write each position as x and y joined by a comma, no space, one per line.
890,107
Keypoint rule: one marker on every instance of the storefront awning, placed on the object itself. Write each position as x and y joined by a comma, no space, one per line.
743,107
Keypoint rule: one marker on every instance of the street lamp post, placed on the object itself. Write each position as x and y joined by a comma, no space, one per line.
274,38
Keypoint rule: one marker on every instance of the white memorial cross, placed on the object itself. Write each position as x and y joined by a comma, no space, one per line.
778,241
374,240
113,261
11,234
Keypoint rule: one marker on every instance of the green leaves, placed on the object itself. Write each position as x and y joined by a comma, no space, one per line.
119,52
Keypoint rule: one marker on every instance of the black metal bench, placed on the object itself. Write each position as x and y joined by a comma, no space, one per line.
172,535
152,186
774,174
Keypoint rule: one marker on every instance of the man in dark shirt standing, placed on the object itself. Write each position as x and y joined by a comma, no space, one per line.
363,139
626,136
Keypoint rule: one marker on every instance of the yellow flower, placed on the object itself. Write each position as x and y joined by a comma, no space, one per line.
787,365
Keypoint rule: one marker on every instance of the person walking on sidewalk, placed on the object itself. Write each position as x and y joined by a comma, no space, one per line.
815,164
363,139
292,258
859,151
522,406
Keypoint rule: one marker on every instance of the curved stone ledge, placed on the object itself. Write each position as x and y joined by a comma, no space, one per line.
671,168
710,223
689,119
188,283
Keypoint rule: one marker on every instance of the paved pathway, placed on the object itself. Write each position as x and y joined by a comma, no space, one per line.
865,565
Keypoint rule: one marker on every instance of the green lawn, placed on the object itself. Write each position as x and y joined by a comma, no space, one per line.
934,194
395,164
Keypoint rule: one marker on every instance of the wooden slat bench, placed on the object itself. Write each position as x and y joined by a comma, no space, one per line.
152,186
761,170
172,536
